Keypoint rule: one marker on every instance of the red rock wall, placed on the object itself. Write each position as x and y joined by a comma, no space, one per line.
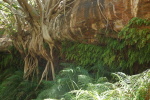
88,17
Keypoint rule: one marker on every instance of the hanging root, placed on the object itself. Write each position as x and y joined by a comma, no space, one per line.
31,66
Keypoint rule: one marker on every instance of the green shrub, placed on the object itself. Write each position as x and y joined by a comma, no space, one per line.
15,87
120,90
70,78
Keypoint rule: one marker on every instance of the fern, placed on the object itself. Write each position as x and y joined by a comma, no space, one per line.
70,78
15,88
136,90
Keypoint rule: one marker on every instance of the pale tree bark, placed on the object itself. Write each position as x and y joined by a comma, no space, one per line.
47,21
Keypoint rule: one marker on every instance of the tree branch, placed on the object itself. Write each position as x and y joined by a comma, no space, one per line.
40,6
29,8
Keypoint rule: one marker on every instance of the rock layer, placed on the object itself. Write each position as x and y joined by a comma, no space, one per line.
88,17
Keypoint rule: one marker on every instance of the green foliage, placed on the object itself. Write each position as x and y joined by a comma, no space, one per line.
12,84
70,78
9,63
76,84
131,48
94,58
10,59
5,60
15,87
7,19
84,54
8,86
121,90
1,32
136,36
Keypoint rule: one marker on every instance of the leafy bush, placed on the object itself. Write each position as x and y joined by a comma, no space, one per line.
137,89
12,84
10,59
74,83
70,78
15,87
